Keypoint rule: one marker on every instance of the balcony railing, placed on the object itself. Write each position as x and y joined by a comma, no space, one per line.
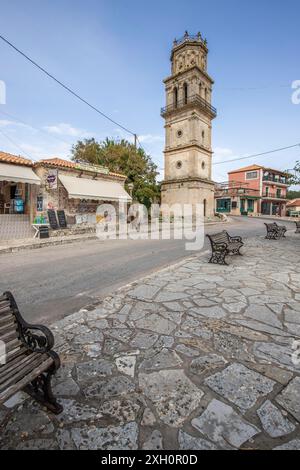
274,196
275,180
190,100
190,38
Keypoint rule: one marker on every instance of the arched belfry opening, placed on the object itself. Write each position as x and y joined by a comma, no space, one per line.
185,93
175,97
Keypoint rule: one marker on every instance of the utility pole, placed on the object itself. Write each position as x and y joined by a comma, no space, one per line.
135,140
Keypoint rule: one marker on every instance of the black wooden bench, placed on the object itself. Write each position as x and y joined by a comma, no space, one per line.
27,361
274,231
222,244
297,227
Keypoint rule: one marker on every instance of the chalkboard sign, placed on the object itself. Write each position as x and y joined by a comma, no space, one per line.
52,219
62,219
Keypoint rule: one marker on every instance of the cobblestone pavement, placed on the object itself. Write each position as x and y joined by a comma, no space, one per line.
196,356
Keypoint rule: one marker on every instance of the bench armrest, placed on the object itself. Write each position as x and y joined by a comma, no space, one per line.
235,239
219,246
37,338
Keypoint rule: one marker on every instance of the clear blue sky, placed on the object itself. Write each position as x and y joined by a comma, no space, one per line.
116,53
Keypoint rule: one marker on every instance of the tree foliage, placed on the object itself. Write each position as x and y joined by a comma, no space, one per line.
123,157
294,179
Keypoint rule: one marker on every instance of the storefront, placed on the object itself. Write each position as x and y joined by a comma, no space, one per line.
77,189
18,184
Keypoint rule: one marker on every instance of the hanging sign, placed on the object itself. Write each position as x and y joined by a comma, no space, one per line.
51,179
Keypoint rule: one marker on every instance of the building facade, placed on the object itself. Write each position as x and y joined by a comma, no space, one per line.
254,189
29,190
188,118
78,189
293,207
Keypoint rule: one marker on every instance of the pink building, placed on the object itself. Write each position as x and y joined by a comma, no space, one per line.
253,189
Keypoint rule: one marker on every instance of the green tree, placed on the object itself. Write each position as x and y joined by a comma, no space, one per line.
294,178
123,157
293,195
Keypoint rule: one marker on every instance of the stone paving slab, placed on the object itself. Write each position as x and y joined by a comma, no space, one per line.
195,356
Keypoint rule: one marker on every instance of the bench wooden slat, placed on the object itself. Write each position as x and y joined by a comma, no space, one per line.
16,352
15,359
10,391
11,323
7,317
12,345
5,306
20,370
9,335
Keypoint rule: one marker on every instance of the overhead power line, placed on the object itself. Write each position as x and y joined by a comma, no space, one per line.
17,145
257,154
27,124
67,88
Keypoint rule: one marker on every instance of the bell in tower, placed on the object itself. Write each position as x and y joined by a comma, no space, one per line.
188,116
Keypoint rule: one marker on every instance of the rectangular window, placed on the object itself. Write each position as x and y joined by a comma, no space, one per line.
251,175
223,205
278,193
39,203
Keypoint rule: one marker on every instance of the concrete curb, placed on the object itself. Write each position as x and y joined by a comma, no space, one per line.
55,241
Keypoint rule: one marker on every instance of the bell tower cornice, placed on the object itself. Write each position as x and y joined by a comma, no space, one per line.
181,74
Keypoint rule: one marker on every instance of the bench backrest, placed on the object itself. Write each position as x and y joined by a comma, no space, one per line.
221,237
272,226
9,329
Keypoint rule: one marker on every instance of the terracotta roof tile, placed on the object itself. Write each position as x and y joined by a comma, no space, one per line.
59,162
9,158
247,168
294,202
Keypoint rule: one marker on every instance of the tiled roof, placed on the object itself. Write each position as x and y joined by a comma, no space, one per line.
294,202
256,167
246,168
9,158
59,162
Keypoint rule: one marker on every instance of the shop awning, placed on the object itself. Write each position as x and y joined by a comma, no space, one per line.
18,174
83,188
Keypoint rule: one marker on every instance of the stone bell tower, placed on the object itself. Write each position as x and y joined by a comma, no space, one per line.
188,116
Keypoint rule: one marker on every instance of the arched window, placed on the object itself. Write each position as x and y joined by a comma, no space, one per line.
200,89
175,97
205,94
204,207
185,93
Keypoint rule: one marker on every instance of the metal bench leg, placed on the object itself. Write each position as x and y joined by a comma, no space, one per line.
218,257
40,389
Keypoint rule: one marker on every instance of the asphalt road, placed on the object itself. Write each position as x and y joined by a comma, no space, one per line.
52,282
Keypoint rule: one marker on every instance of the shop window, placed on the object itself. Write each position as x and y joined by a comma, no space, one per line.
39,203
223,205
